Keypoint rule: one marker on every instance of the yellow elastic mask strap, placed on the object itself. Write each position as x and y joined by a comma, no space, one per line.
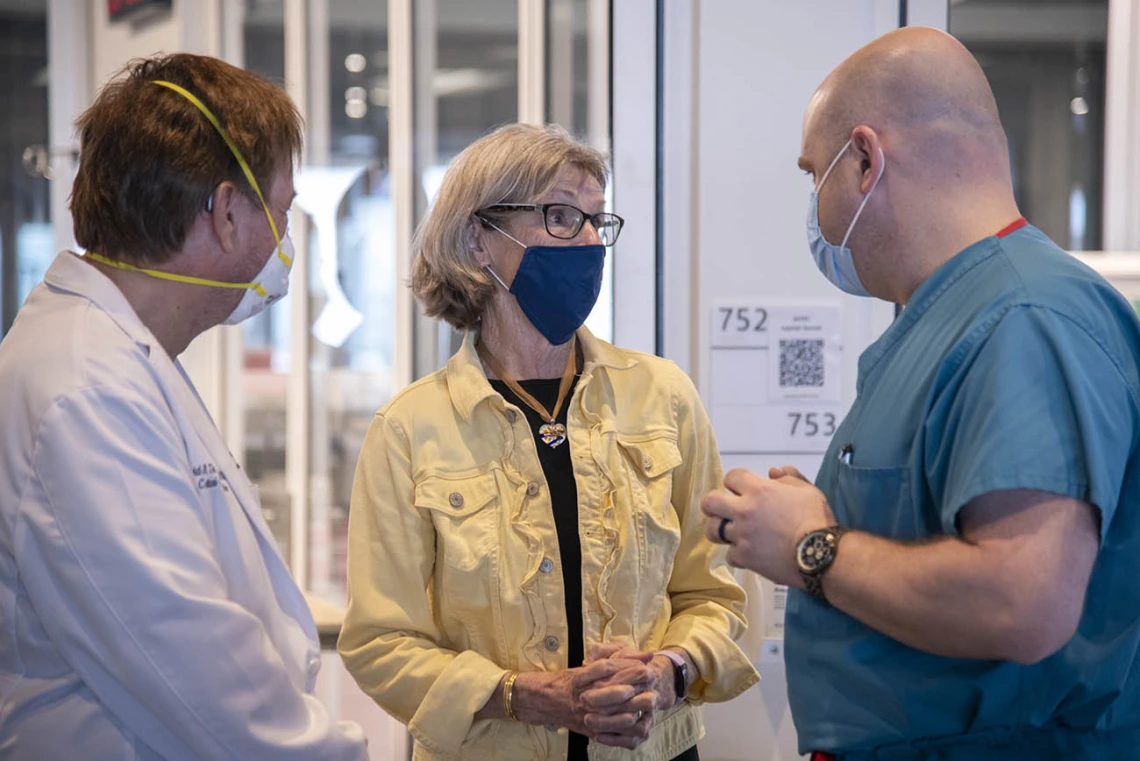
237,155
171,275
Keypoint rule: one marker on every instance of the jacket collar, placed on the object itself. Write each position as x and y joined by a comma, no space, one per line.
468,385
70,274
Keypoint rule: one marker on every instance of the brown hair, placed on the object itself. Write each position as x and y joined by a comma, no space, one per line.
149,159
517,163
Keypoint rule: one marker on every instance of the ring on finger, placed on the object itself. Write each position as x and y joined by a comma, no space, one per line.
720,530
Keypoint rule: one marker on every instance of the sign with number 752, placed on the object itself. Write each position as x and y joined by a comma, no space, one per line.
743,319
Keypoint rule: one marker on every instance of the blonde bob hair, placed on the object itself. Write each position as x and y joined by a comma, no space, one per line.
517,163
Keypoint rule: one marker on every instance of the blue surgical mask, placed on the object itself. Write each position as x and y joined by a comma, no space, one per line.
836,262
556,286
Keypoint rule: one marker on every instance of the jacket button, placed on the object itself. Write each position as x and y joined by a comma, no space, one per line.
532,489
647,462
546,566
551,643
552,727
512,416
456,499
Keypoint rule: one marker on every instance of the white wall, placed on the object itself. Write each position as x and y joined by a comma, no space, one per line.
634,73
738,76
113,44
1121,147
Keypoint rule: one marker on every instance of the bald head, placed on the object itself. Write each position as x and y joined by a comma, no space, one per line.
919,83
925,154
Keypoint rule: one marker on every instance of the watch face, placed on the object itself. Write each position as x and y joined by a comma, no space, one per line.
816,551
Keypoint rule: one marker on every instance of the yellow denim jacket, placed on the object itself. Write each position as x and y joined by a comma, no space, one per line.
453,562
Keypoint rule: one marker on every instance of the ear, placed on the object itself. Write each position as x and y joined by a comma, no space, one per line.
473,241
221,211
868,149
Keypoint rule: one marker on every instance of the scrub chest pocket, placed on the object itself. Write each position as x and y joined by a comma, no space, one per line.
876,500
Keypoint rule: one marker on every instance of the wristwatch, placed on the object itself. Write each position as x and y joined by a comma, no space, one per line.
680,674
815,553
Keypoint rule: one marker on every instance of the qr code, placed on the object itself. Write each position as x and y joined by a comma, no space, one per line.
801,362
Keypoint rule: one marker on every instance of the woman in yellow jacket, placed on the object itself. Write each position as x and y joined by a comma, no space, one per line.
528,573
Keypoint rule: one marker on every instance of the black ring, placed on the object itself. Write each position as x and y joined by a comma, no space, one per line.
720,530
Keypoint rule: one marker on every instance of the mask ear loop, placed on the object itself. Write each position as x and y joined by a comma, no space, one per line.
866,198
487,267
831,166
501,230
496,276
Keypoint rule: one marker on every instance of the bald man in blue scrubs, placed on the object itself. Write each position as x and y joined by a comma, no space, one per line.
966,569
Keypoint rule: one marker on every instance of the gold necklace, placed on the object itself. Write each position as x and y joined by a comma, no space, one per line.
552,433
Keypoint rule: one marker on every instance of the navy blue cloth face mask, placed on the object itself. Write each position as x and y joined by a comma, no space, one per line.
556,286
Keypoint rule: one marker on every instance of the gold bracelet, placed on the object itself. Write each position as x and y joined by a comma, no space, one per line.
508,695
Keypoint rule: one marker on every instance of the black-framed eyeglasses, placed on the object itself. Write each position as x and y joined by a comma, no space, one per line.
565,221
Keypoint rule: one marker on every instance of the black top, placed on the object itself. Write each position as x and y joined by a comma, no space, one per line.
559,473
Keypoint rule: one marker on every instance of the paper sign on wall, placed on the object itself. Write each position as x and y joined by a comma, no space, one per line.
775,606
775,371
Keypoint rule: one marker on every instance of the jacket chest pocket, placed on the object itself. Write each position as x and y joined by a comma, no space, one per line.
649,464
465,513
876,500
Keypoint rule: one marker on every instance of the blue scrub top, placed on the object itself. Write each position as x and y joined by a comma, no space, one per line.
1013,367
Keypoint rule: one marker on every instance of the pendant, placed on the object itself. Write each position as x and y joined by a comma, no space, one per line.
552,434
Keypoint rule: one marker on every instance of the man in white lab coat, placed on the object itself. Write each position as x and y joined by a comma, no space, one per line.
145,611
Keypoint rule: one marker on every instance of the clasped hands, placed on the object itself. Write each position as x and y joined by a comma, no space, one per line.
617,693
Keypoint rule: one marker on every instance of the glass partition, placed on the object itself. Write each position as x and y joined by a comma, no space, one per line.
265,354
1046,63
27,243
345,190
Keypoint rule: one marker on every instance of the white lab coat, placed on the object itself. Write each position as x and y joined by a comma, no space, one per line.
145,611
